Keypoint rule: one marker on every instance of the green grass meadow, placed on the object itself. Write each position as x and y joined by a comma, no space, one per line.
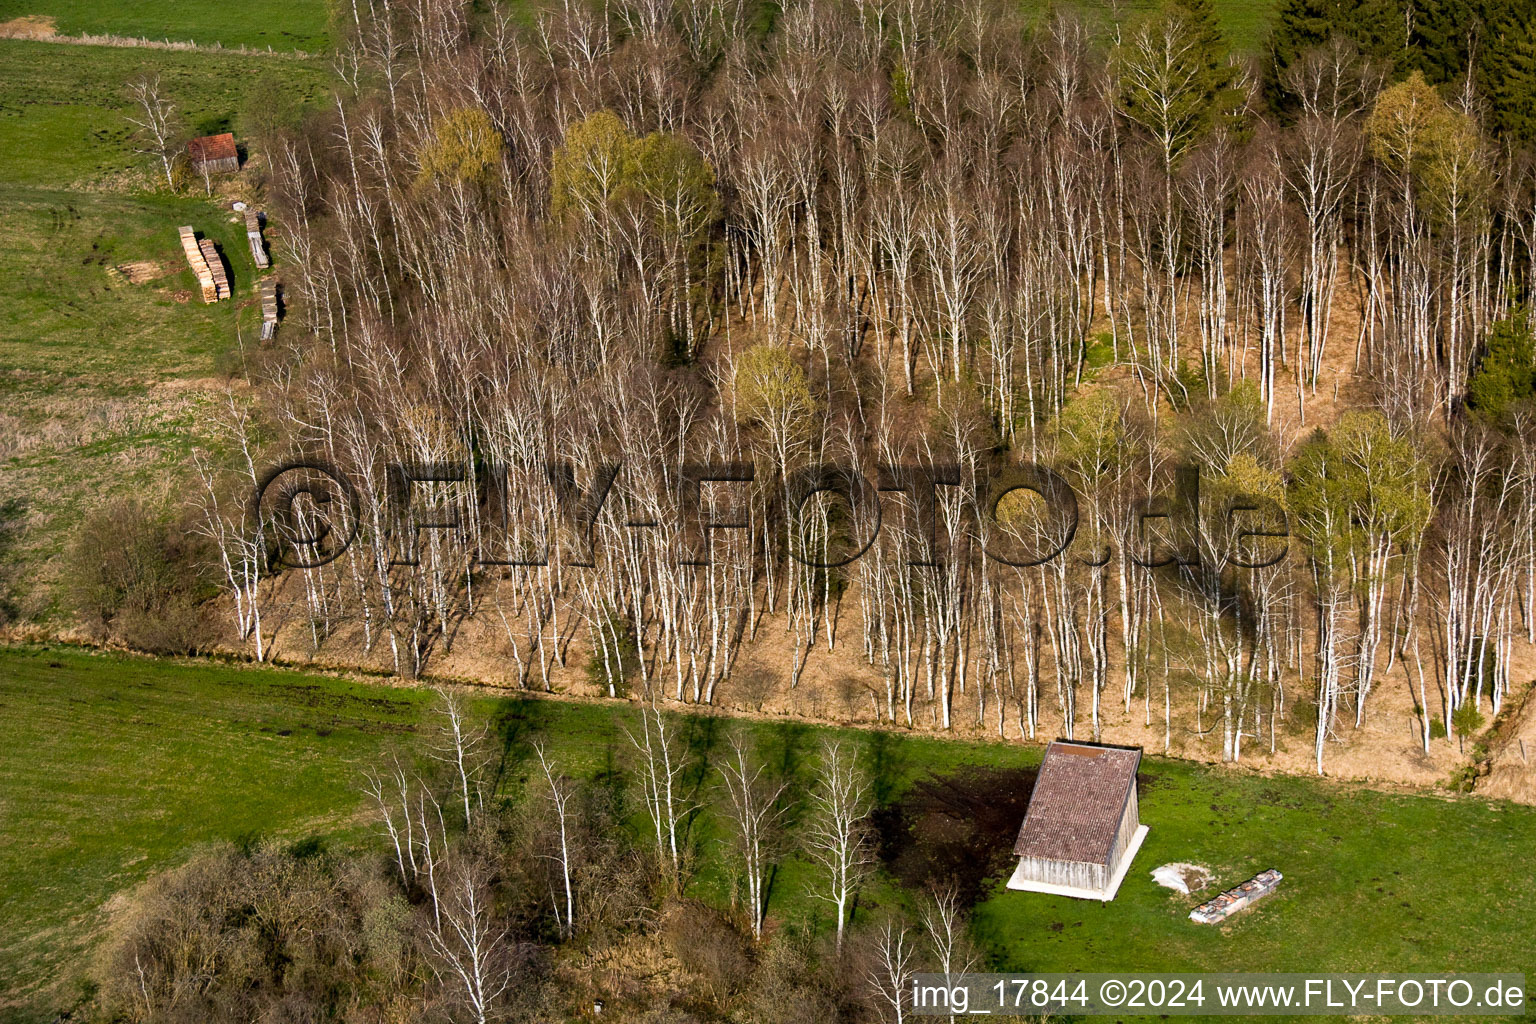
105,382
63,107
302,24
113,768
1246,23
279,24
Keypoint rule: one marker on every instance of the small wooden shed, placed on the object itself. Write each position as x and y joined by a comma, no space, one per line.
1082,829
216,154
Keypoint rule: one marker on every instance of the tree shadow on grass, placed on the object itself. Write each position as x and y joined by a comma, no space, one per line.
515,725
886,756
784,750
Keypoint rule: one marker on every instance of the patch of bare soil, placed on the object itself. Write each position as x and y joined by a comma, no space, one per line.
1181,877
840,687
934,832
142,271
29,26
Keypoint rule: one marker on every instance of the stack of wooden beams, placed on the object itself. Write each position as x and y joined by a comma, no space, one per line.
199,263
253,235
215,267
268,308
1233,900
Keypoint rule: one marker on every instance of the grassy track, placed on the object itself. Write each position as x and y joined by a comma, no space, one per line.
114,768
279,24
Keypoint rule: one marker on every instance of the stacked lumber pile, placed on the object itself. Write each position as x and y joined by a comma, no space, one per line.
1233,900
216,267
199,263
203,257
268,308
253,235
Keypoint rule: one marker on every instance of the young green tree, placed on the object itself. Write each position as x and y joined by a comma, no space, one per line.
592,167
769,389
270,109
1318,501
465,149
677,187
1388,487
1175,77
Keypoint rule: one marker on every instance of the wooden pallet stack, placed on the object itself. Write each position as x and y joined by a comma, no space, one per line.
199,263
253,235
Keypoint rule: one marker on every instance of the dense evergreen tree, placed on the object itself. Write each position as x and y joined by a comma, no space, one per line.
1506,373
1378,27
1444,40
1442,33
1507,74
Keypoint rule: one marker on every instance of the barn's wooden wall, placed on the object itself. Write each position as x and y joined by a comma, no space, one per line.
1129,822
1065,872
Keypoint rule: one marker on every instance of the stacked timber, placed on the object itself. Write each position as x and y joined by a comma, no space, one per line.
199,264
268,308
1233,900
253,235
216,268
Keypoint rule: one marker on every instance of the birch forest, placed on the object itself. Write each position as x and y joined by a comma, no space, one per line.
537,262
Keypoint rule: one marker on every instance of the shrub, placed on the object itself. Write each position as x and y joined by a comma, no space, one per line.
12,518
790,985
705,943
257,934
139,575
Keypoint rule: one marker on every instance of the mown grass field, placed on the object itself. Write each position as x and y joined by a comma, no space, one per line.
113,768
279,24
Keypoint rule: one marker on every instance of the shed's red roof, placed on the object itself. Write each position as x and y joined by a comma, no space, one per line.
213,147
1080,794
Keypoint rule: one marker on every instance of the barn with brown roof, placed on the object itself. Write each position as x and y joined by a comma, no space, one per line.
217,154
1082,828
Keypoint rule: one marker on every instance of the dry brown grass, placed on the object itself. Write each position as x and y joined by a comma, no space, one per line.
29,26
